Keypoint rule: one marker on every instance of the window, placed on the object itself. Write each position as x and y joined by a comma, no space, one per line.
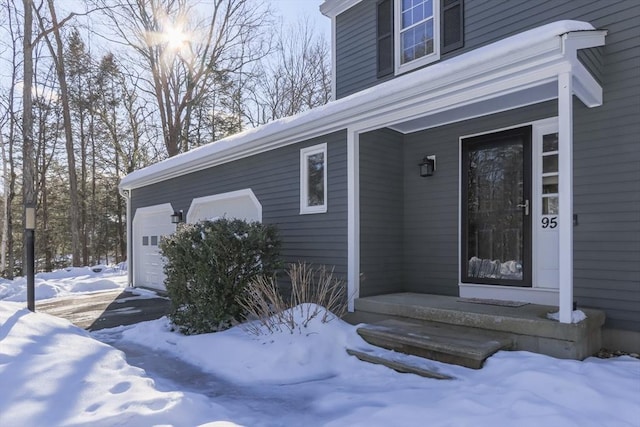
313,179
417,32
421,29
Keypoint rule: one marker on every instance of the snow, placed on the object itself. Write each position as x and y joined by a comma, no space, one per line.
577,316
65,282
327,118
55,374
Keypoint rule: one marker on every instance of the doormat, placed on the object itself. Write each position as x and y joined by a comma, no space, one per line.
493,302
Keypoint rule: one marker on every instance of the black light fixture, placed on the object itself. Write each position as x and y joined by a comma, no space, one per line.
176,217
427,166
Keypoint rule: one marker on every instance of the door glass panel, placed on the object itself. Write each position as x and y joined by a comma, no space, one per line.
549,206
495,225
550,142
550,163
550,184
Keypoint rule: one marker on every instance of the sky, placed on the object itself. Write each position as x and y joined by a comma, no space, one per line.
55,374
292,10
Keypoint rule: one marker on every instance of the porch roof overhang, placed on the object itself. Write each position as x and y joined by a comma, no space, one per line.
517,71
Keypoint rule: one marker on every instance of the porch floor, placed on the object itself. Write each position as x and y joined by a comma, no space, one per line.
526,324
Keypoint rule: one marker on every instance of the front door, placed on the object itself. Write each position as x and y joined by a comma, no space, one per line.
496,208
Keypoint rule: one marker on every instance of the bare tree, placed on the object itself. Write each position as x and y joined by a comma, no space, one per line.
187,57
295,79
7,258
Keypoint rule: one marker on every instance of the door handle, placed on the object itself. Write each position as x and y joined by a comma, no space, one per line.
525,205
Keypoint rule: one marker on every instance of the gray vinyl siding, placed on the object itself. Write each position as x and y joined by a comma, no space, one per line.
381,212
485,22
356,66
431,204
607,179
274,177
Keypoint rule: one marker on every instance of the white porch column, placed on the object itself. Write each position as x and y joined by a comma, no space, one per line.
353,217
565,202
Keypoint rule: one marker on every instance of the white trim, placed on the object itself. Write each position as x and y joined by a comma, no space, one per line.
129,226
333,59
510,293
229,197
353,217
305,153
484,73
399,67
565,196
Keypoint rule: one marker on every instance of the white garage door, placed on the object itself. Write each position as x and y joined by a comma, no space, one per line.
241,204
150,224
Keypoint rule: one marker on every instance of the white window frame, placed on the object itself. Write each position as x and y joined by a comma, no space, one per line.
424,60
305,153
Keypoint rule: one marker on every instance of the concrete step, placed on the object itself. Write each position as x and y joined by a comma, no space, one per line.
398,362
527,324
456,345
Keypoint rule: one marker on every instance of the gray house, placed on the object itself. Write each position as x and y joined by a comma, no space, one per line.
477,149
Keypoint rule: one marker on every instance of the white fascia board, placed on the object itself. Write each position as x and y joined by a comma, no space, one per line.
585,86
333,8
574,40
434,88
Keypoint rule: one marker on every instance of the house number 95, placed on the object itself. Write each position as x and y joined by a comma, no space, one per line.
549,222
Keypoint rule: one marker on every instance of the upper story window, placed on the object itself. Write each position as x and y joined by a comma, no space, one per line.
416,30
421,30
313,179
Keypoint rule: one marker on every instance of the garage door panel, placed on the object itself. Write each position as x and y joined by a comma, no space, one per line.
150,224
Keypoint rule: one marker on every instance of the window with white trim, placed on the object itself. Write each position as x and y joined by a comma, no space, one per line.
421,30
313,179
417,33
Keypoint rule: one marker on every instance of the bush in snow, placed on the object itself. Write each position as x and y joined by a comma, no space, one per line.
315,293
209,264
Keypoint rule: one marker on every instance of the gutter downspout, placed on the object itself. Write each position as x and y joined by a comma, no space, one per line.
127,195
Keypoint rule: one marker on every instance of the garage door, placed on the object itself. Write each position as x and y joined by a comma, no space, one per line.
241,204
150,224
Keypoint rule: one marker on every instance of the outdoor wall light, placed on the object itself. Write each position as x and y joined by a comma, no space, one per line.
176,217
427,166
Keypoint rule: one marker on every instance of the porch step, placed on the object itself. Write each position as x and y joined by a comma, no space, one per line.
456,345
527,325
398,362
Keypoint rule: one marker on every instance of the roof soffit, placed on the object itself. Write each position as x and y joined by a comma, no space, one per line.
333,8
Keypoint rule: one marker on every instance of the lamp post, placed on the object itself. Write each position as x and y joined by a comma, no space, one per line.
29,253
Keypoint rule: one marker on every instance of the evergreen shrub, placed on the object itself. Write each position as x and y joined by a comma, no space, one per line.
208,266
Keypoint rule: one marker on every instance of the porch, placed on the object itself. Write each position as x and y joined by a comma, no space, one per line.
512,325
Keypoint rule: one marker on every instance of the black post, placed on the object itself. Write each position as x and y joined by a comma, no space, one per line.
30,254
29,268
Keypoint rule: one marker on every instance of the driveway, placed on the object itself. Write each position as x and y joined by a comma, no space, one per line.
107,309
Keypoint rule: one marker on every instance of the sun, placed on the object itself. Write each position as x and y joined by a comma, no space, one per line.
175,37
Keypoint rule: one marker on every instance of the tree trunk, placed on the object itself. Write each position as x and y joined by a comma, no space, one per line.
57,55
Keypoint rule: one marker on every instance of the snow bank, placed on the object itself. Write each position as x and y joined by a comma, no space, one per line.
65,282
53,373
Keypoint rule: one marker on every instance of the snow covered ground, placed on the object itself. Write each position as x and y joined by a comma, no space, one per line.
54,374
65,282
